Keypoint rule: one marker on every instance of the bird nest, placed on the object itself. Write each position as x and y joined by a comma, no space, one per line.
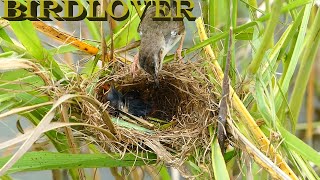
183,106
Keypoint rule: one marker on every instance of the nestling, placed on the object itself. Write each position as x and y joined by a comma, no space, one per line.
157,39
116,100
131,102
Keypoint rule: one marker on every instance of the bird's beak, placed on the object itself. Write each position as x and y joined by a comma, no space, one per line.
156,80
157,83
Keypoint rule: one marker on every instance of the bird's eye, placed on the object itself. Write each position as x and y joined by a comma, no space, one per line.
173,33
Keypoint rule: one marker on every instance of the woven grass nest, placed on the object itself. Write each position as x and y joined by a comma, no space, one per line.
184,105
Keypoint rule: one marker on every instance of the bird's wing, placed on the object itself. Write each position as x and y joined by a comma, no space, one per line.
148,16
150,12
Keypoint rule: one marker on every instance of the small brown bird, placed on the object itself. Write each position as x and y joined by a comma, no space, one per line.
157,39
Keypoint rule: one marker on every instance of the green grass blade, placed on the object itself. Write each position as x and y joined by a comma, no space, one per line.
163,172
28,37
295,57
36,161
308,58
4,44
93,29
218,164
300,147
256,62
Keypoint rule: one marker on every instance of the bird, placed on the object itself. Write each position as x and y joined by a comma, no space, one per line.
136,105
116,100
157,38
131,102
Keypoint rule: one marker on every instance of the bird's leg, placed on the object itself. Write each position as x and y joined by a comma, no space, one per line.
179,49
134,64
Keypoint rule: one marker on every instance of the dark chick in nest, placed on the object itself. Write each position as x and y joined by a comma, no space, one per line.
157,39
116,101
131,103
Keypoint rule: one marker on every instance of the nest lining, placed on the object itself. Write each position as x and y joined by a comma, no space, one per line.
185,99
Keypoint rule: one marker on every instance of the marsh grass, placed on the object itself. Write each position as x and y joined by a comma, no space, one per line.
272,56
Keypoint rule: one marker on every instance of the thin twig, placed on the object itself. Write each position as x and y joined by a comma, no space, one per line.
224,99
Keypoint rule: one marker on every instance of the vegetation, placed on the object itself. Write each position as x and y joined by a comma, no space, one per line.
272,47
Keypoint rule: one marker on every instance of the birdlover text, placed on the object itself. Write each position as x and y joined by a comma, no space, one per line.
76,10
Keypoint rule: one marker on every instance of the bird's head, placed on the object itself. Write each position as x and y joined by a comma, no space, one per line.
150,59
115,99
